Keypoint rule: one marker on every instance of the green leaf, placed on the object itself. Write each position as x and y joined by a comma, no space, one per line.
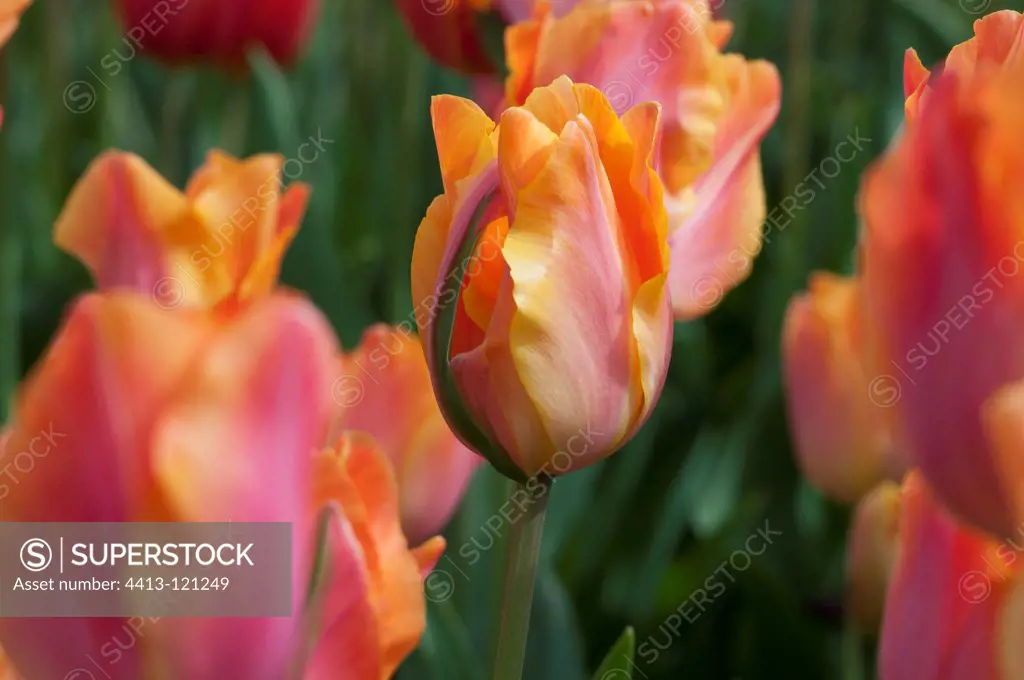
618,663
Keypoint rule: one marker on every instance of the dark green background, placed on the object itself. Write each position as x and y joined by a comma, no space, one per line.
629,540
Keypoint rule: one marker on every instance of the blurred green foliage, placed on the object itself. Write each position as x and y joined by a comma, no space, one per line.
628,542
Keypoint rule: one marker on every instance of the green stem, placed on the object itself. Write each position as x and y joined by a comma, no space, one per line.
517,589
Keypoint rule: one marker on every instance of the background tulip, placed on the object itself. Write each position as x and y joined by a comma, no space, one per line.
562,333
998,39
220,243
385,390
450,31
840,425
217,30
942,252
10,13
950,609
180,416
715,110
872,548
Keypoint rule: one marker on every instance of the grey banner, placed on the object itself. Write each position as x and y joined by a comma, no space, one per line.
165,569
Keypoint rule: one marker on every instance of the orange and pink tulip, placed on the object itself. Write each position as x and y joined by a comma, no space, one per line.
716,108
955,607
385,390
184,416
942,252
217,30
556,349
218,244
10,16
840,428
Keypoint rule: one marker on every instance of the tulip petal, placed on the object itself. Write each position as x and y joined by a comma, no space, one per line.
571,297
348,644
715,232
942,608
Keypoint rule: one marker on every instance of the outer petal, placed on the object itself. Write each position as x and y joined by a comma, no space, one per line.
89,407
120,221
840,427
944,605
396,406
364,486
716,224
872,548
941,252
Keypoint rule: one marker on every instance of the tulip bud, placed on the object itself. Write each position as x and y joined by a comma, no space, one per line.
385,390
539,278
218,244
840,428
872,547
217,30
715,110
944,294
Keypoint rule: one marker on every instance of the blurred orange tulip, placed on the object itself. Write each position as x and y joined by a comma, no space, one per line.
182,416
216,30
218,244
998,40
715,110
872,548
942,253
556,350
840,426
10,14
385,390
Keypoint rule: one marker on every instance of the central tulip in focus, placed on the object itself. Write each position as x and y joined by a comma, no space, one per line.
540,277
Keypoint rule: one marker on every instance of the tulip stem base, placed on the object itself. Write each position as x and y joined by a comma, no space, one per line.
520,575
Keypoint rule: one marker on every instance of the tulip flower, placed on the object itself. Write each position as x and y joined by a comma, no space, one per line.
218,244
839,420
715,110
872,548
185,416
385,390
216,30
942,254
450,32
955,607
552,225
997,41
10,13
